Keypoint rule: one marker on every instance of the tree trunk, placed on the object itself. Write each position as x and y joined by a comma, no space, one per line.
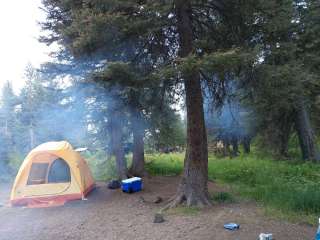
32,137
117,144
305,133
235,146
246,144
193,188
226,146
6,129
285,136
137,167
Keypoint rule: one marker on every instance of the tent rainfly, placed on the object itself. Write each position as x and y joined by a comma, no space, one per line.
50,175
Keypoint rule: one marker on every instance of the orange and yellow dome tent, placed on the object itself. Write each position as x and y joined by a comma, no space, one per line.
50,175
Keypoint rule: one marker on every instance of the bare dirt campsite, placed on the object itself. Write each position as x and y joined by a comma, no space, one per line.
113,215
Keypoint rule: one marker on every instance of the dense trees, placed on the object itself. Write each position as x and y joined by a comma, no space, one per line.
165,132
98,116
8,121
252,45
285,84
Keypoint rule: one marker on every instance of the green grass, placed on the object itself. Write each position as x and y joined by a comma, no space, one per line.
164,164
290,188
223,197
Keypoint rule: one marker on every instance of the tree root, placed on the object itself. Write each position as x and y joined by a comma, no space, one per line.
190,200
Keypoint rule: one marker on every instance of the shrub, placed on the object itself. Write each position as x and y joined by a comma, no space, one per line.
164,164
223,197
102,167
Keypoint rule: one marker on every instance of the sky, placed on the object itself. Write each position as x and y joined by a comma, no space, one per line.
19,30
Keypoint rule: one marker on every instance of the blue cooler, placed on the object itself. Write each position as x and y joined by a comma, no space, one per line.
131,185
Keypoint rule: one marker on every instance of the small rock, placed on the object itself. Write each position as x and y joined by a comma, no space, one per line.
158,218
158,200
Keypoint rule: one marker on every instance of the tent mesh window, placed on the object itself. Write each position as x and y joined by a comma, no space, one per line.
59,172
38,173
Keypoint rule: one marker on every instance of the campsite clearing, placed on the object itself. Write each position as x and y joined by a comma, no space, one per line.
111,214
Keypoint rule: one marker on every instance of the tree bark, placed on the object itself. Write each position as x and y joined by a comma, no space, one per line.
137,167
305,133
6,129
226,146
285,136
246,141
193,187
116,128
235,146
32,136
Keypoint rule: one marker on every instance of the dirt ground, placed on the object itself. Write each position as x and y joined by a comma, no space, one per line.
111,214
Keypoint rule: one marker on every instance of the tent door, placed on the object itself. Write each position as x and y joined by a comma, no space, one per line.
59,172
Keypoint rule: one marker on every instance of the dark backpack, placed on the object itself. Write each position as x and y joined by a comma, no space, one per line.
114,184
